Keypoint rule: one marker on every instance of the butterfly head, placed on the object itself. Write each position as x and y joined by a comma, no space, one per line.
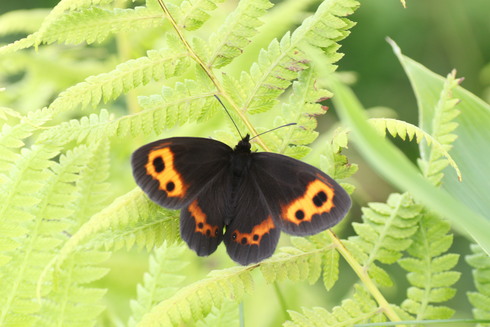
244,145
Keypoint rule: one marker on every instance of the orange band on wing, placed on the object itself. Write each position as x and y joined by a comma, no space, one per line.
317,199
160,166
256,235
200,218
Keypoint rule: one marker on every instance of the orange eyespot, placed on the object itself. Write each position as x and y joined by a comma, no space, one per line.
255,236
317,199
200,218
160,166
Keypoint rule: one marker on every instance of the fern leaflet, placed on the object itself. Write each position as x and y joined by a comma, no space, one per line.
162,281
384,234
280,64
126,76
480,300
429,270
360,308
228,42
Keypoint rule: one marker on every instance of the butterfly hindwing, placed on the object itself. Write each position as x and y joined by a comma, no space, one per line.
251,235
173,171
304,200
202,221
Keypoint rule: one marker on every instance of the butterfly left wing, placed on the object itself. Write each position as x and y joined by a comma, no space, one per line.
303,199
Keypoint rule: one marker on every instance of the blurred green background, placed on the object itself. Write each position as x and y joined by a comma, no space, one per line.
440,34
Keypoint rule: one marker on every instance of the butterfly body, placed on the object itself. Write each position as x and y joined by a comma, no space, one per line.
237,196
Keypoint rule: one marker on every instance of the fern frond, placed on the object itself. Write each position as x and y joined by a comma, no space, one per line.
12,137
126,76
302,108
225,316
480,300
163,279
430,269
280,64
60,9
187,102
361,308
95,24
442,127
235,33
70,302
50,217
385,232
403,130
131,219
22,21
192,14
196,300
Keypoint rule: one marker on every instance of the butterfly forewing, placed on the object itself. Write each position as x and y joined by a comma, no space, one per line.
304,200
173,171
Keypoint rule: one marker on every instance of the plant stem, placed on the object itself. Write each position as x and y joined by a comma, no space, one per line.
364,277
211,75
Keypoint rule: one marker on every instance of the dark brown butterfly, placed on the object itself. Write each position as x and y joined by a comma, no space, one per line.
237,196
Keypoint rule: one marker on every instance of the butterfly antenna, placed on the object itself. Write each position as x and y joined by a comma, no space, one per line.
229,115
290,124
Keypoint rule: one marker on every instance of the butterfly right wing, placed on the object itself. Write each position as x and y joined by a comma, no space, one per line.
173,171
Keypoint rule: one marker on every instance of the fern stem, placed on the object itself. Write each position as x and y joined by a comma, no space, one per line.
364,277
211,75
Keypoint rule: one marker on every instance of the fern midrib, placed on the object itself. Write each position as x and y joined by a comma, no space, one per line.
384,232
33,237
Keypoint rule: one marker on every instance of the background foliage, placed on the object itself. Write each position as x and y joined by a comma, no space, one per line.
109,76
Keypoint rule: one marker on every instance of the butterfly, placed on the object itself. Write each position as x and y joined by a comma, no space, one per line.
237,196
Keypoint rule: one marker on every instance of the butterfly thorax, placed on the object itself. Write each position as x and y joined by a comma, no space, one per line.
241,159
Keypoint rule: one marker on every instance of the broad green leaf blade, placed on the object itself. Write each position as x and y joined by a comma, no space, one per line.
471,150
399,171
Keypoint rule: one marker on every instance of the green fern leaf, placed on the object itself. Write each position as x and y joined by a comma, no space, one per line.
404,129
441,129
480,300
226,316
195,301
48,221
126,76
95,24
280,64
192,14
360,309
162,281
159,112
429,270
385,232
235,33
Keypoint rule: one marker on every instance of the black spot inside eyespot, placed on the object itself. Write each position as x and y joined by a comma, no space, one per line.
170,186
319,199
216,232
300,215
158,164
200,225
233,236
244,240
256,237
